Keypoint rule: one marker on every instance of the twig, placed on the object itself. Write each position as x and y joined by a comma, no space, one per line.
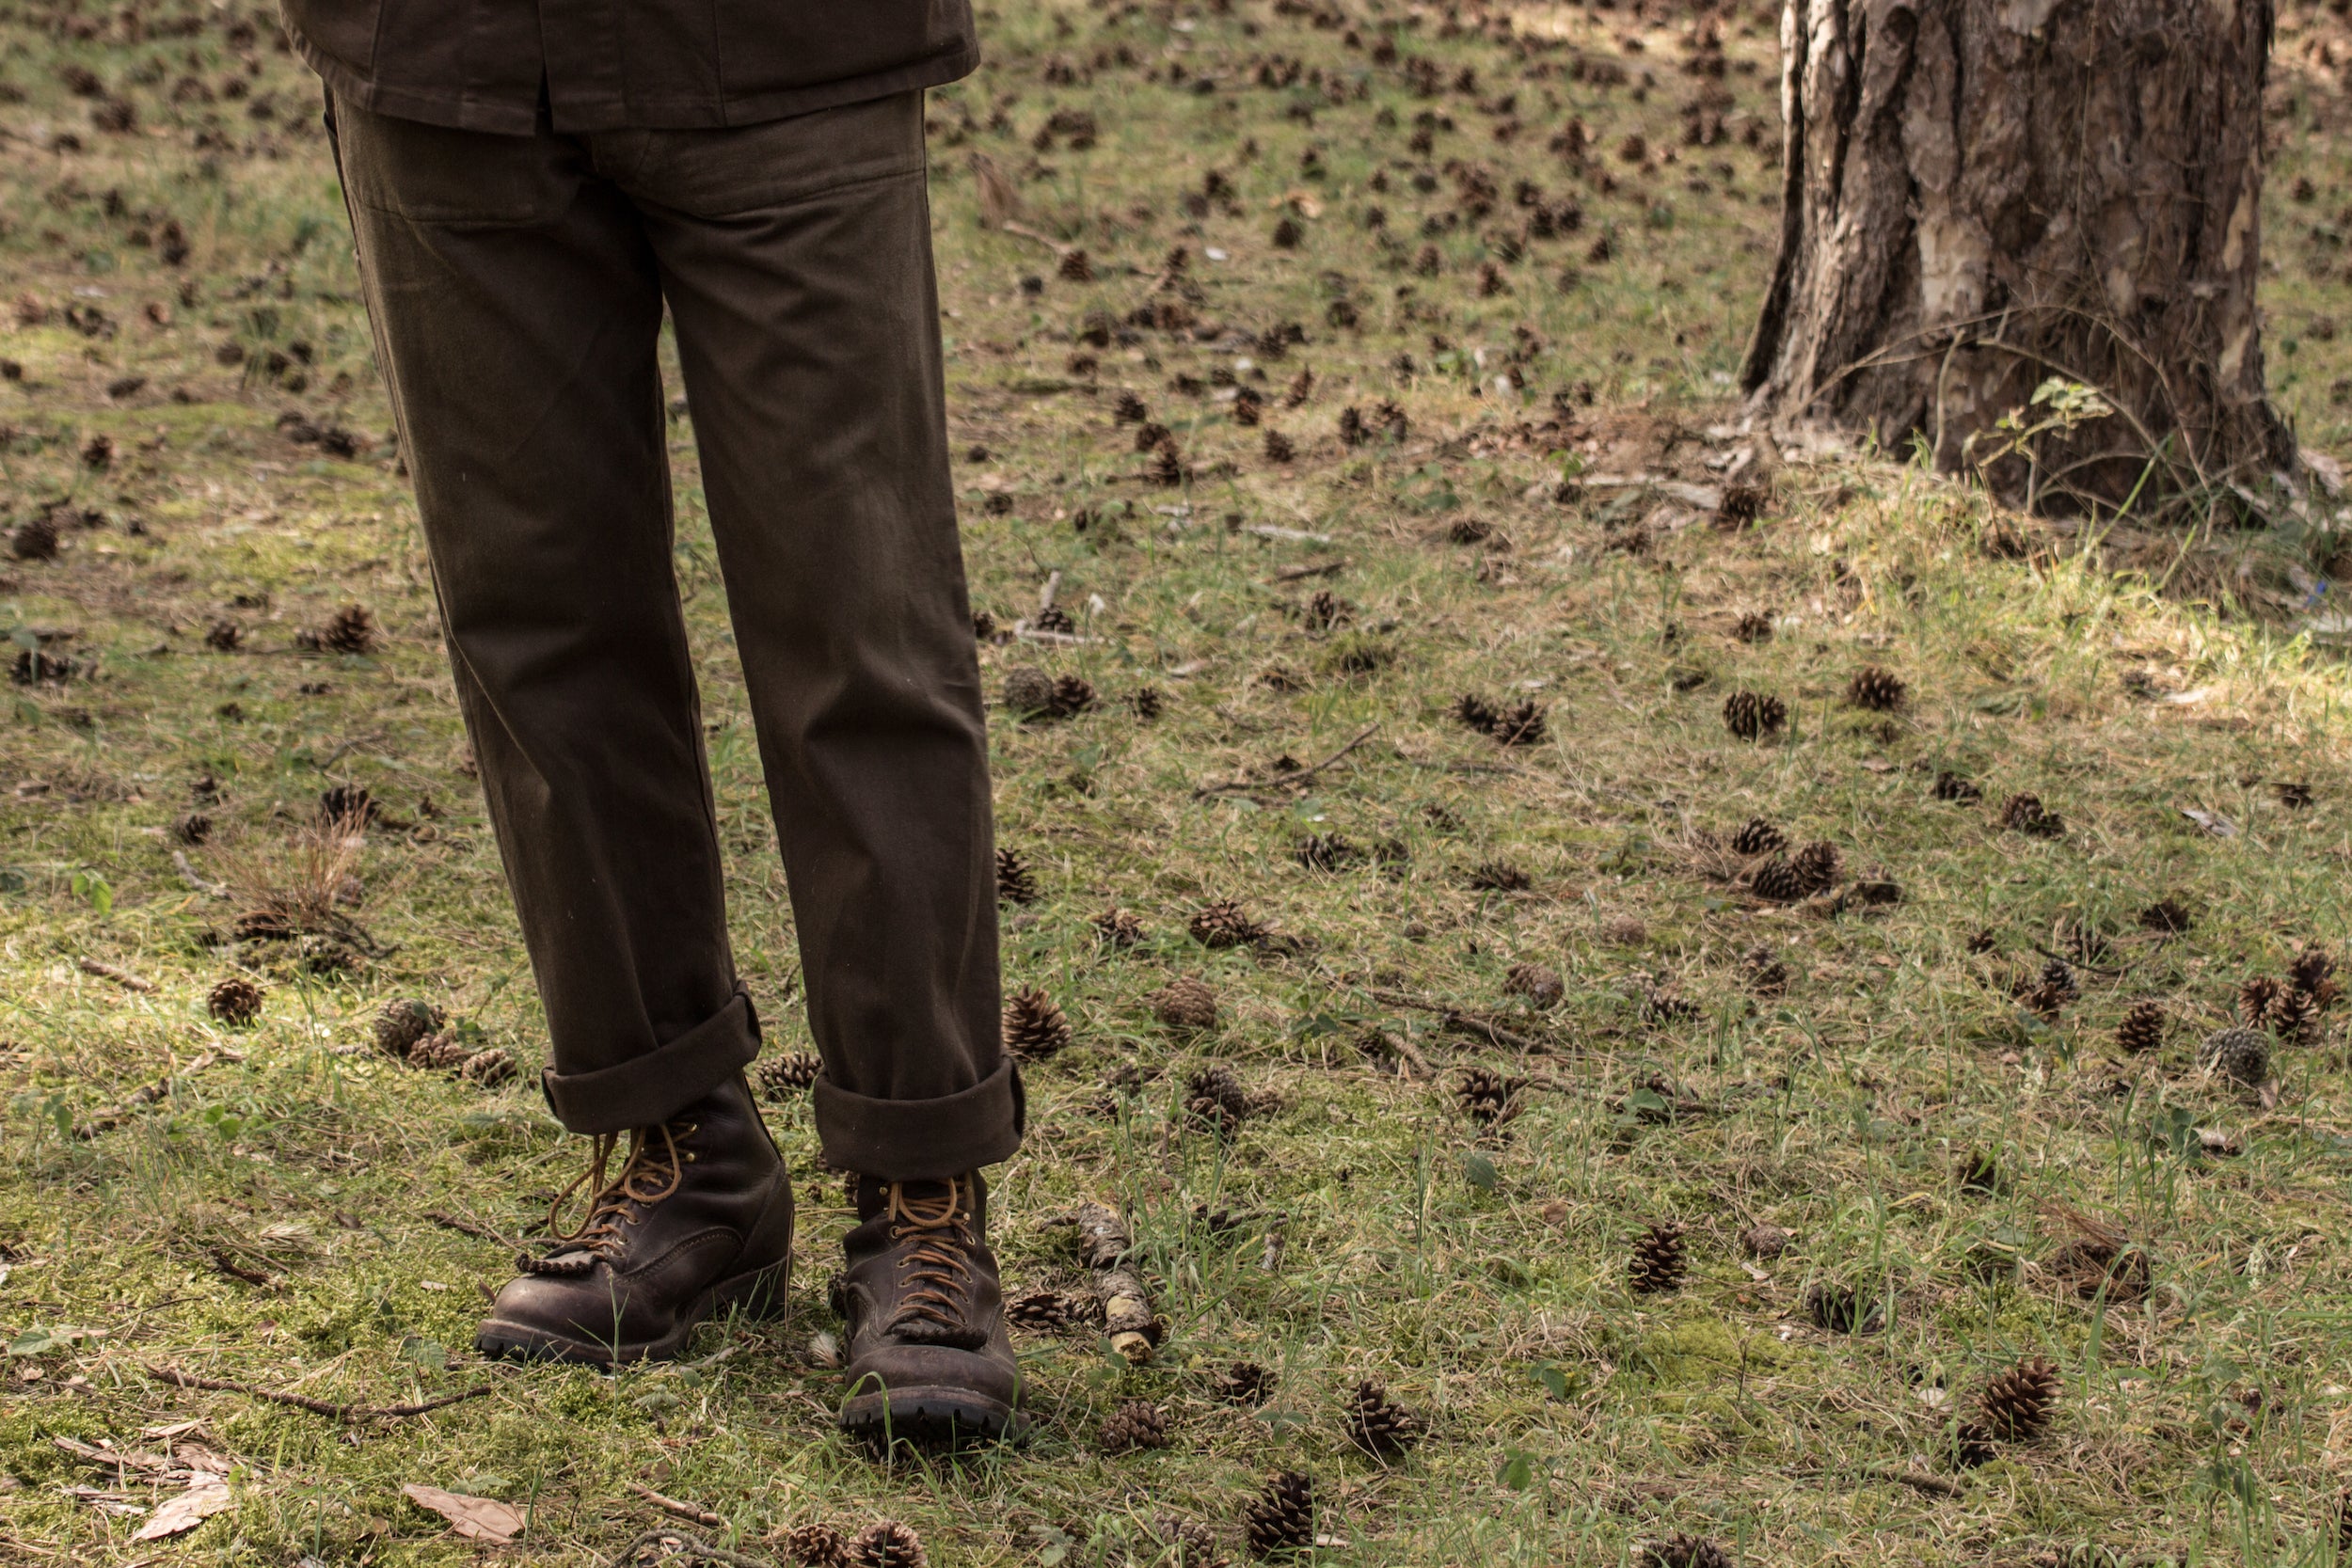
1056,247
123,977
448,1221
304,1401
188,875
1287,780
670,1505
1288,535
1322,569
1456,1021
234,1270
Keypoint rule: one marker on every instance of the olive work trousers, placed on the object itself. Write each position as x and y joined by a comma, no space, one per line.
516,286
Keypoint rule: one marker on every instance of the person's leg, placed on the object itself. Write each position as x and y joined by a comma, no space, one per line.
515,308
796,258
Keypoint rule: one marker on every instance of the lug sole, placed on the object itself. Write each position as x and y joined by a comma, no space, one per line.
761,1294
928,1415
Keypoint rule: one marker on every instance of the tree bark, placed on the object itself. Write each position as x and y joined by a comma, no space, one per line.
1983,195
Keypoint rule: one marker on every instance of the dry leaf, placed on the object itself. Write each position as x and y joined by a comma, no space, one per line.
187,1510
475,1518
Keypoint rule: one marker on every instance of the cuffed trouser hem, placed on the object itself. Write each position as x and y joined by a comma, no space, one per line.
923,1140
650,1089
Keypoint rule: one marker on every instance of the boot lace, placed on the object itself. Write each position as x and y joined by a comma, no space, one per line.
654,1168
935,1271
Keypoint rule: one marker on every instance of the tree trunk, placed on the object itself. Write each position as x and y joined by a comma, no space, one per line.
1985,195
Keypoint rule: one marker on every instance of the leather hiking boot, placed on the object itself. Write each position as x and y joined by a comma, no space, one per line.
930,1360
697,1219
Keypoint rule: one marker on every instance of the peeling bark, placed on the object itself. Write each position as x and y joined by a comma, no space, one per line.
1983,194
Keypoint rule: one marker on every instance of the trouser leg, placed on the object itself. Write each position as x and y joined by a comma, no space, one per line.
516,307
796,258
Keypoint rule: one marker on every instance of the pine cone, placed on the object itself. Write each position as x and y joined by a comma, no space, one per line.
1521,725
1766,974
1778,881
488,1067
1054,618
1029,691
1325,610
2313,971
1753,626
888,1545
1149,702
2241,1056
1840,1308
1499,877
2050,991
2294,1017
235,1001
34,539
1752,716
1216,1100
1487,1097
349,807
1282,1518
1327,852
1658,1264
444,1051
1223,923
2168,916
1035,1028
1194,1544
223,637
1120,927
1278,447
794,1073
351,630
1539,983
1072,695
1876,689
1661,1007
1816,866
2142,1029
1136,1424
817,1545
1477,713
2026,814
1186,1004
1041,1312
193,829
1679,1550
402,1022
2255,999
1758,837
1129,409
1951,786
1741,504
1972,1445
1014,882
1378,1426
2016,1406
1242,1383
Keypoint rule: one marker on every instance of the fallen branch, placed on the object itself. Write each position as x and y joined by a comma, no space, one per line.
679,1546
1321,569
1133,1328
670,1505
188,875
1286,781
123,977
304,1401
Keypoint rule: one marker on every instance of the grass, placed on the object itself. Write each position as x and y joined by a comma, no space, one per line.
294,1212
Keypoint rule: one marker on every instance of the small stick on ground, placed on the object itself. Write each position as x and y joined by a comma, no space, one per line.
464,1227
123,977
304,1401
1288,781
670,1505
